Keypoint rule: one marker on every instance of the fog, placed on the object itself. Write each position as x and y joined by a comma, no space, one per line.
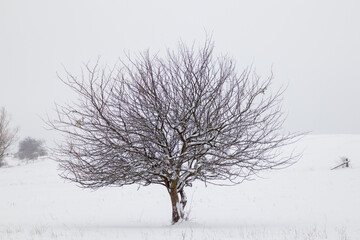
312,47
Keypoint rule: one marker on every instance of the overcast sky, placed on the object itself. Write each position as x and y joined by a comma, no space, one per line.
312,46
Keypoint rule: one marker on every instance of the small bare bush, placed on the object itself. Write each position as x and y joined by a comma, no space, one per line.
7,135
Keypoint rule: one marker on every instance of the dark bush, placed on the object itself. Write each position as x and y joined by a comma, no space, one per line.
31,149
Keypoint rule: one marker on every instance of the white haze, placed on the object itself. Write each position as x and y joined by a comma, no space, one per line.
311,46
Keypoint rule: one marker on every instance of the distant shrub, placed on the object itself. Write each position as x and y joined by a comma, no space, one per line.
2,162
31,149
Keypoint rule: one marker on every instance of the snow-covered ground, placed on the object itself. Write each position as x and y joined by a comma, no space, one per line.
305,201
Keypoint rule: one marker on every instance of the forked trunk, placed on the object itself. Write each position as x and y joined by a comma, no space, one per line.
177,206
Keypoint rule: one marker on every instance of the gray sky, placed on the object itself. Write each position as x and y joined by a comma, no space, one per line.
312,46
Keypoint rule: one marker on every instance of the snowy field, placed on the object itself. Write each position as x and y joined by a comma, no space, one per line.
306,201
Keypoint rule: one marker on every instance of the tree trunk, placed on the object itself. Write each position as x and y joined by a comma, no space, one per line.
177,206
183,200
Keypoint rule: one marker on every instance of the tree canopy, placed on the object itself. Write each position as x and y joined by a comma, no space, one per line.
170,120
30,149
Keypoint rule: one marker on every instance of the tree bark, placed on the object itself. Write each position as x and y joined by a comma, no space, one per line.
175,205
183,200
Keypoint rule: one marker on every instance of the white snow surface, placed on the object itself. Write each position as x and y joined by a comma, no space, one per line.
305,201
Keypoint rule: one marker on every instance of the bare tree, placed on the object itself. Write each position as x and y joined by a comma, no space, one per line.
7,135
30,149
170,121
